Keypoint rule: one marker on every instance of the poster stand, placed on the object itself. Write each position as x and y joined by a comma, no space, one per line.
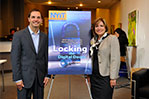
52,81
88,86
51,86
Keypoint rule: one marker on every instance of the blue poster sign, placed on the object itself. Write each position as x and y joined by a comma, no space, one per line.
68,46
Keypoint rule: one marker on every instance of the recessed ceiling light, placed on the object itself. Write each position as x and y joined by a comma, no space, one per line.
81,4
99,1
49,2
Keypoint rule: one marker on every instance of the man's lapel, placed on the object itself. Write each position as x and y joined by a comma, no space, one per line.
29,39
40,41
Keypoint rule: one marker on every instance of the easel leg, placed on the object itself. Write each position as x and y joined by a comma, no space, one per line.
69,86
2,70
51,86
85,76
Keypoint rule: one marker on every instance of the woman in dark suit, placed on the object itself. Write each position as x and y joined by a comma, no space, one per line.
123,41
105,55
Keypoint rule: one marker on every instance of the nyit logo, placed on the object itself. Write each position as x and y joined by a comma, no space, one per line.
57,15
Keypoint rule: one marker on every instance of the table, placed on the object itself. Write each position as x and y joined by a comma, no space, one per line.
2,61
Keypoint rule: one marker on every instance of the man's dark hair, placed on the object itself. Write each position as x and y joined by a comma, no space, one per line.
29,14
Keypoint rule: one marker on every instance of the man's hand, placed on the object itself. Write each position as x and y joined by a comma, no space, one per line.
20,84
46,80
112,83
88,79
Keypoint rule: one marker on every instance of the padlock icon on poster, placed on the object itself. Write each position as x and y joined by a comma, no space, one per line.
70,44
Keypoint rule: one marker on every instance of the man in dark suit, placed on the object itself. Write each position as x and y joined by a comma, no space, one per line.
29,58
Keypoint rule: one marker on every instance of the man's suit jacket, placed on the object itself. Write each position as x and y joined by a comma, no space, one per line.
26,63
109,56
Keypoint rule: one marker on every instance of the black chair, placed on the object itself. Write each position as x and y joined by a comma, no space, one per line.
140,84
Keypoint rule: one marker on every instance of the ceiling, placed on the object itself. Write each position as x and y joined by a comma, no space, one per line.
75,3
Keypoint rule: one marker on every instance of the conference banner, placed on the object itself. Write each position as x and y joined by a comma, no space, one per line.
68,45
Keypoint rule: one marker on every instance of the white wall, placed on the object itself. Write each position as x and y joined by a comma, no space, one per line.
5,46
142,59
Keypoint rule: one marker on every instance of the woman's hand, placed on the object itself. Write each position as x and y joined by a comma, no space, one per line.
112,83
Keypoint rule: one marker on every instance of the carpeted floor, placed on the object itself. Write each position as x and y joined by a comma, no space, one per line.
66,87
